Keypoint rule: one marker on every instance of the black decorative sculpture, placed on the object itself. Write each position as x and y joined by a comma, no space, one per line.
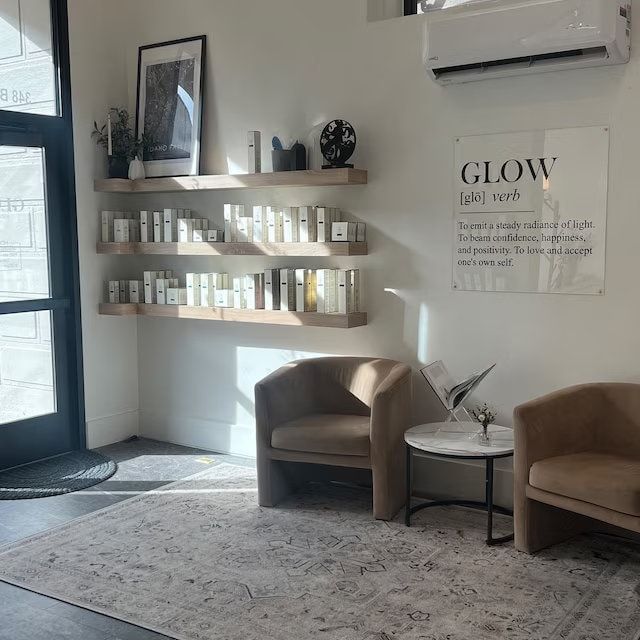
337,143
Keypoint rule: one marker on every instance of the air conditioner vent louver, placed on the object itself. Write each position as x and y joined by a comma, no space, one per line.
523,61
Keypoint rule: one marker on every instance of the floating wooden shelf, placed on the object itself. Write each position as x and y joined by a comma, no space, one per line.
302,249
332,320
321,178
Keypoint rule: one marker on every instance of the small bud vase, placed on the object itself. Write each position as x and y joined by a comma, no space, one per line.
136,169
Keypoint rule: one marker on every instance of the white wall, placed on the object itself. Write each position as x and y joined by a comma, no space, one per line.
109,346
284,66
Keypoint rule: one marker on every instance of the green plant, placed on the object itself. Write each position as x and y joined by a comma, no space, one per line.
124,143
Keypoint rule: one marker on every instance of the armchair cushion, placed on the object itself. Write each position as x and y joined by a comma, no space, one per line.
607,480
328,433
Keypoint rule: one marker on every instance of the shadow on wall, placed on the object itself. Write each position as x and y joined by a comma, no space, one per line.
384,10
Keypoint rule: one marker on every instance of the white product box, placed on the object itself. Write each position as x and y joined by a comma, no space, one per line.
308,225
254,143
326,293
185,229
343,285
161,290
244,229
361,232
254,290
239,296
291,224
193,289
353,291
158,226
259,223
224,298
207,289
113,288
176,296
150,278
170,225
326,216
343,232
231,214
213,235
136,291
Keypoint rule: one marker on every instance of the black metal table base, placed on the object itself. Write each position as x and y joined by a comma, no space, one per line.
487,506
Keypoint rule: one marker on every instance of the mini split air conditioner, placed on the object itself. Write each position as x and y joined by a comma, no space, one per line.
482,39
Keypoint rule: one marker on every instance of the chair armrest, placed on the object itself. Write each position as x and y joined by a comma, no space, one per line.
284,395
558,424
391,412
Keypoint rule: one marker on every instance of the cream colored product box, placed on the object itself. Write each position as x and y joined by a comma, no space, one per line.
353,291
214,235
193,289
343,285
199,235
158,226
222,281
344,232
149,279
272,289
239,294
224,298
134,230
124,291
231,214
290,224
308,224
325,217
244,229
113,292
254,290
170,225
176,296
361,232
136,291
106,230
326,293
207,289
146,226
121,230
287,290
161,290
279,225
185,229
254,145
259,223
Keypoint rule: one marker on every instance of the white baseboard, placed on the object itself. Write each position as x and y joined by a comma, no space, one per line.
110,429
239,440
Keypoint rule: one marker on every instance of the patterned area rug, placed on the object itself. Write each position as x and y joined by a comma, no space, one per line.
199,560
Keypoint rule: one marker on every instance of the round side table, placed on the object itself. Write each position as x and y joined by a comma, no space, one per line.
456,440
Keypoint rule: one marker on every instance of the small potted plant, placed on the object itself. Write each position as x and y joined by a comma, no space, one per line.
119,139
485,416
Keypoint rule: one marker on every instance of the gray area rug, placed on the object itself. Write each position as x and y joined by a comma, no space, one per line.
66,473
199,560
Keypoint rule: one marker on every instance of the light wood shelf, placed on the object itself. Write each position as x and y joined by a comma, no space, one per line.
321,178
331,320
301,249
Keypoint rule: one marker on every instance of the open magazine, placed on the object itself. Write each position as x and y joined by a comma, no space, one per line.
451,393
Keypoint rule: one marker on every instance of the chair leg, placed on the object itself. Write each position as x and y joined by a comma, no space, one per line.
389,490
273,482
538,526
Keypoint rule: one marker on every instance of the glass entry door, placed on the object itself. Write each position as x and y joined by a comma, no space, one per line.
41,394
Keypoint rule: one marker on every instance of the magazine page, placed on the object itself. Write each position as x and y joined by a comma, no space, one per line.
438,377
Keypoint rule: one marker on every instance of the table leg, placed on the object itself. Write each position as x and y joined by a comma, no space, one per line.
409,489
491,541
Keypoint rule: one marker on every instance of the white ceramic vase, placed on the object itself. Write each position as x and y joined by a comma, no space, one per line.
136,169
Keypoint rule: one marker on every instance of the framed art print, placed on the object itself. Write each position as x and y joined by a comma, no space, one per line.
169,106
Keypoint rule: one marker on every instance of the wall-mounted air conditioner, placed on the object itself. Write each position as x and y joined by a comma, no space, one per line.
479,39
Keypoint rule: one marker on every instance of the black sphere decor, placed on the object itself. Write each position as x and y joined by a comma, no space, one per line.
337,143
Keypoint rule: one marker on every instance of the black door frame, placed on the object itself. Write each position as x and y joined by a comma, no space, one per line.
55,133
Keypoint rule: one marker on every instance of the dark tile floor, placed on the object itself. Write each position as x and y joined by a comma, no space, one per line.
142,465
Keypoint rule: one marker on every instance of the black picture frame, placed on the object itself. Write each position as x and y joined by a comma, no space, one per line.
168,163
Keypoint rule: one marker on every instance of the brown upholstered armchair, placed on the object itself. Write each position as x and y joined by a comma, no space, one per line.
577,464
341,412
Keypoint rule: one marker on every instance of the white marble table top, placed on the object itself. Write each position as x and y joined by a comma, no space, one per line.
460,439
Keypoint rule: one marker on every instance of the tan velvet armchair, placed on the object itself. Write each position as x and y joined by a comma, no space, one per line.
340,412
577,464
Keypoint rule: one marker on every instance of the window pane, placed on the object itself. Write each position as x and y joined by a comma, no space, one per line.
27,387
24,262
27,72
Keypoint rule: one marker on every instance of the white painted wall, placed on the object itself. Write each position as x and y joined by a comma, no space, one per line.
282,67
109,346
